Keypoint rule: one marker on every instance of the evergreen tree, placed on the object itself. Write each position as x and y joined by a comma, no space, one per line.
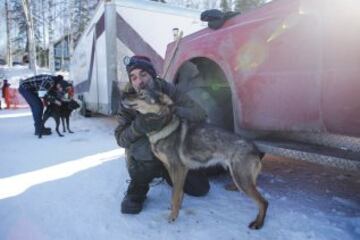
18,27
81,15
224,5
245,5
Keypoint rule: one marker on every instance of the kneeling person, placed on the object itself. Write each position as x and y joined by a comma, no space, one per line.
131,132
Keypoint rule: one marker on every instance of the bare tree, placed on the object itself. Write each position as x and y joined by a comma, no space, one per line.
44,56
30,34
70,10
51,36
43,18
8,36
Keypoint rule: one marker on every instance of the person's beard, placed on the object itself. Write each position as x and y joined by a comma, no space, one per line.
149,86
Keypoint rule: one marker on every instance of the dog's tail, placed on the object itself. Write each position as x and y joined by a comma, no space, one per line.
258,151
261,155
183,132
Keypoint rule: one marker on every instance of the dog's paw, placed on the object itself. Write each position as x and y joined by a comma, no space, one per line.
255,225
172,217
231,187
71,132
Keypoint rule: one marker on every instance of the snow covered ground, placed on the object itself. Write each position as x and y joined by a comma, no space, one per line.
71,188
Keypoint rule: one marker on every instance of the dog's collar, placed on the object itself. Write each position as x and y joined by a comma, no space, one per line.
165,131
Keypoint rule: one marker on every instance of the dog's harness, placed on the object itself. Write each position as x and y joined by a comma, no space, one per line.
165,131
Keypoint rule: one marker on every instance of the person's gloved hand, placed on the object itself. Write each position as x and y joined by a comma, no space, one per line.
42,93
150,122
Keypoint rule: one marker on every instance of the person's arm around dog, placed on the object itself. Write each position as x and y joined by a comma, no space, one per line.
185,107
131,133
131,126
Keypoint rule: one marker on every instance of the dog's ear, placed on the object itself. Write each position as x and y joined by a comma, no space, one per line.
148,95
165,99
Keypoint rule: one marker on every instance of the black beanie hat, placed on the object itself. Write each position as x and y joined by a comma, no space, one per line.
58,78
141,62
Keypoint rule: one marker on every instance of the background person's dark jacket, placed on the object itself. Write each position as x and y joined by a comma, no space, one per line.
137,144
38,82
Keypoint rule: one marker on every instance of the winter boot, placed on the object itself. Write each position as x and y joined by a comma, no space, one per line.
134,198
44,131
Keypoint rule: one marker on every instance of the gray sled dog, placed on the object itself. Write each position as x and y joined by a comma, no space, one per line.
182,146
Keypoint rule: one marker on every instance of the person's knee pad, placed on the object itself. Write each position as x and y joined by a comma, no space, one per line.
196,183
143,171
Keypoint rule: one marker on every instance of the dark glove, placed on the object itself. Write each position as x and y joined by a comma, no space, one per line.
150,122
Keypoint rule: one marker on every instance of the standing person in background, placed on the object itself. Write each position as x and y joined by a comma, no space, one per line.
70,91
6,93
1,96
34,88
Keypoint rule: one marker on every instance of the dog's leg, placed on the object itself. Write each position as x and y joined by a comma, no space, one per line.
178,175
57,121
68,124
63,124
231,187
244,174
